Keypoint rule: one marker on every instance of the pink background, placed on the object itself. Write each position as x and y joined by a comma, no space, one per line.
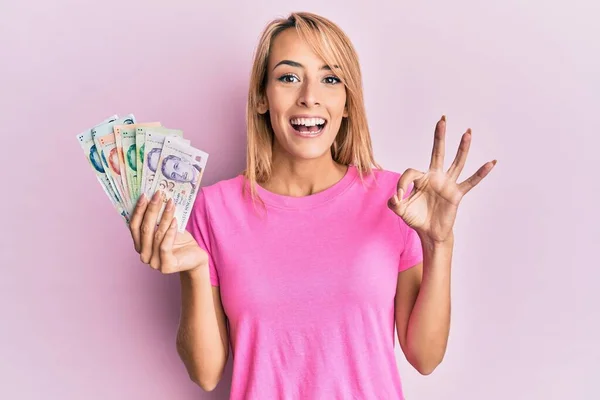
82,318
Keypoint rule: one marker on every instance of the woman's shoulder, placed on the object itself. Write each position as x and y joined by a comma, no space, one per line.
381,177
224,185
380,183
217,198
382,173
223,189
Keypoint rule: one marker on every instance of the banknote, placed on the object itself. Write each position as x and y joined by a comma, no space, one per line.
140,140
108,145
153,144
178,175
107,130
94,159
131,158
125,139
104,138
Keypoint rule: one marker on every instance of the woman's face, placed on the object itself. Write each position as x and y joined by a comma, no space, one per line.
305,99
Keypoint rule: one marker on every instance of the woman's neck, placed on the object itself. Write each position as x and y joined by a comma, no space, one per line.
297,178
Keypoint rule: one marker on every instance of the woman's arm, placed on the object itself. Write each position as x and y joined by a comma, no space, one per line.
423,307
202,338
423,292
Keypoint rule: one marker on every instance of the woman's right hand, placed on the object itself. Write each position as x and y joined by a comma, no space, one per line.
163,247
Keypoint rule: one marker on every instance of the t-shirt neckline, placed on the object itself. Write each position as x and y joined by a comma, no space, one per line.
283,201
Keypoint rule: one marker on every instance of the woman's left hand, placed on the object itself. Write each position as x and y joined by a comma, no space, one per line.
432,205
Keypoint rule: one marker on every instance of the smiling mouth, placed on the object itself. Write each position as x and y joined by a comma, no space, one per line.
308,127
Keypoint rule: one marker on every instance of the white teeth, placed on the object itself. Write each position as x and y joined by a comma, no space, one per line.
307,121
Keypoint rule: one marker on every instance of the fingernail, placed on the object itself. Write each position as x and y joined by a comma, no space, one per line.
401,194
156,197
169,205
444,117
142,199
494,162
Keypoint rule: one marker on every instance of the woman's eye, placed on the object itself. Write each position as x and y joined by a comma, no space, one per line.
288,78
332,80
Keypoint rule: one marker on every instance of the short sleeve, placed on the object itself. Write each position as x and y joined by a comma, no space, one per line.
199,227
412,254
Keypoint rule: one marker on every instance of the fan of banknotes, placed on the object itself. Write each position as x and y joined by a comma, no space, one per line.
131,158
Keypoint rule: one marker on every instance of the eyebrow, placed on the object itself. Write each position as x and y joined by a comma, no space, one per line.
298,65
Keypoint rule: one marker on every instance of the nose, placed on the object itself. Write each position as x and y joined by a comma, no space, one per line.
309,95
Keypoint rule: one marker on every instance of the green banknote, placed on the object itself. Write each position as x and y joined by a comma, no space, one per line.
104,138
125,137
93,156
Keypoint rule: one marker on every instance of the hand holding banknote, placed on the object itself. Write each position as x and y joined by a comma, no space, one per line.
164,248
151,175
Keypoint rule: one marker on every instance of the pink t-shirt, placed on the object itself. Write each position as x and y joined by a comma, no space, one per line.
308,286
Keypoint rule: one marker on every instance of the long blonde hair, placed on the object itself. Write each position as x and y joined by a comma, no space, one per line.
352,144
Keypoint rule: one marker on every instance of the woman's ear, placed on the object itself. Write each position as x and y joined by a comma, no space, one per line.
263,105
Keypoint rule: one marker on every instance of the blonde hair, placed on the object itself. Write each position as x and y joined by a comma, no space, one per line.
352,144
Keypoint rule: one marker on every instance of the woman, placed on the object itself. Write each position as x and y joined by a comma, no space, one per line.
307,261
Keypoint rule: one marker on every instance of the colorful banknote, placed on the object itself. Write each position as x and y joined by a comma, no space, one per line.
153,144
178,175
131,158
140,139
104,137
94,158
125,140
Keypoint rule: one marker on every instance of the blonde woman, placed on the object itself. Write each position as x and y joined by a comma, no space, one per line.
306,262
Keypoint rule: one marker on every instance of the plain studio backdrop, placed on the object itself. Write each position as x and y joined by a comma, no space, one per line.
82,318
